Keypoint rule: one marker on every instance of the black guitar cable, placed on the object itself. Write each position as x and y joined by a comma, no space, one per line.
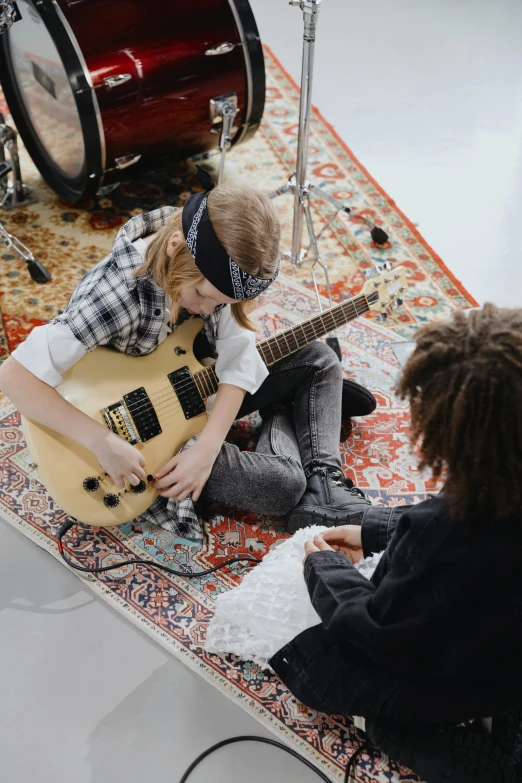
350,767
251,559
154,563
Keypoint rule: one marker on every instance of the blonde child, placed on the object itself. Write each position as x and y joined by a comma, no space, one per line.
209,259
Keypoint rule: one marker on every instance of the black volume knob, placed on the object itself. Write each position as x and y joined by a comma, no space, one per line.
141,487
91,484
110,500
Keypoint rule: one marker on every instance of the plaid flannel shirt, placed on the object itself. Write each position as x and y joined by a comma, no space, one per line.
111,307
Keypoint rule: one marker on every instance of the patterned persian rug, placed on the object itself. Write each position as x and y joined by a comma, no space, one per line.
376,455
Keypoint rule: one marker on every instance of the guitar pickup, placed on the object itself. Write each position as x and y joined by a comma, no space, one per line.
187,392
133,418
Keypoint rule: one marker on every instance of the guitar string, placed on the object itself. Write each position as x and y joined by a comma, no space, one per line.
264,344
289,333
174,404
164,398
168,404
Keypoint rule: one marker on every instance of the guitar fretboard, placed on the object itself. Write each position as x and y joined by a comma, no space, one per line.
291,340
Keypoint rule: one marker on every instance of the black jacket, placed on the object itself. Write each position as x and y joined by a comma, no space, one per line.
435,636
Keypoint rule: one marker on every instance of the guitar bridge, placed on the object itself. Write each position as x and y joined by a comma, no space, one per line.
118,420
133,418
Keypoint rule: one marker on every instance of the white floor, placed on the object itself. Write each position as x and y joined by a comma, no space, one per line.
429,97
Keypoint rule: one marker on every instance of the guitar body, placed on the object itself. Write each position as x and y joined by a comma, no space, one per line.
156,403
98,380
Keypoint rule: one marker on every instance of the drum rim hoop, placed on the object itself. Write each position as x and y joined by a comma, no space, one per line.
255,68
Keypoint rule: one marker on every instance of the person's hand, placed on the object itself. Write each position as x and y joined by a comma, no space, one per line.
317,545
345,539
119,459
186,473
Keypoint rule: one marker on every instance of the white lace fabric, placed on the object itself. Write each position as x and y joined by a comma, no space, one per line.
271,605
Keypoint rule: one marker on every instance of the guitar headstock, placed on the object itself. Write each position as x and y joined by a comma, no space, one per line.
383,289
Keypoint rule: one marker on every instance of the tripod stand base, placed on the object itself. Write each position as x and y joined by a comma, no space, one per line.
12,201
379,236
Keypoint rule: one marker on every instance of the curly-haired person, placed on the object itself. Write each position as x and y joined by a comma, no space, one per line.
429,651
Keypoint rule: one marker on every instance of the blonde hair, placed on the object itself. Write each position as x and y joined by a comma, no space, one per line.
246,224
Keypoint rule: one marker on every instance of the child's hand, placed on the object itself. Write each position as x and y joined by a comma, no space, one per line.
120,459
186,473
345,539
317,545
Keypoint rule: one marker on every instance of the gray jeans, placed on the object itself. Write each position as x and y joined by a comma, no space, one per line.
296,440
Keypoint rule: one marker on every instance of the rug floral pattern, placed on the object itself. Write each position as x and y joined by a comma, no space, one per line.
376,455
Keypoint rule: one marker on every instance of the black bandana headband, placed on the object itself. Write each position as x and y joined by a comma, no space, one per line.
211,258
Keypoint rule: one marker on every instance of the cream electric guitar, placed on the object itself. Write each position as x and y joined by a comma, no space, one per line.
157,402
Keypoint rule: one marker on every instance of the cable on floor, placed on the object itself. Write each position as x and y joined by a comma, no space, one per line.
352,763
138,561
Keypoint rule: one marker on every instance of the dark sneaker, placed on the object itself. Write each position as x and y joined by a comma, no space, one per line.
329,499
356,400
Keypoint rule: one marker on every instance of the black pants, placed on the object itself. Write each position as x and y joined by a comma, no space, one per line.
396,711
461,754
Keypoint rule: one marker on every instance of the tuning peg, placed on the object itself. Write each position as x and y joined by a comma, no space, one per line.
385,266
369,273
382,316
399,302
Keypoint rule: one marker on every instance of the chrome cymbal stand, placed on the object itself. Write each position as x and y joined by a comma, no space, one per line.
8,15
298,184
16,195
12,195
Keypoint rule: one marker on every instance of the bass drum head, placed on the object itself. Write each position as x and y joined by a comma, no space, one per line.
82,132
40,64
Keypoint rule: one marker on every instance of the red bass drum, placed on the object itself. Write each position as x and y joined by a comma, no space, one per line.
94,86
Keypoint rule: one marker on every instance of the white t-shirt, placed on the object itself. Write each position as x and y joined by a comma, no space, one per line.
52,349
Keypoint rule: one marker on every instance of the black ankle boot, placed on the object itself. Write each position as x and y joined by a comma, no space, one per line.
330,499
356,400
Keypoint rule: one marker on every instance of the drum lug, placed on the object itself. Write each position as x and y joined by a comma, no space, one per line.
115,81
109,82
124,162
222,48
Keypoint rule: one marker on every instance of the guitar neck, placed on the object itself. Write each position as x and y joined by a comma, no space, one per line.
275,348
